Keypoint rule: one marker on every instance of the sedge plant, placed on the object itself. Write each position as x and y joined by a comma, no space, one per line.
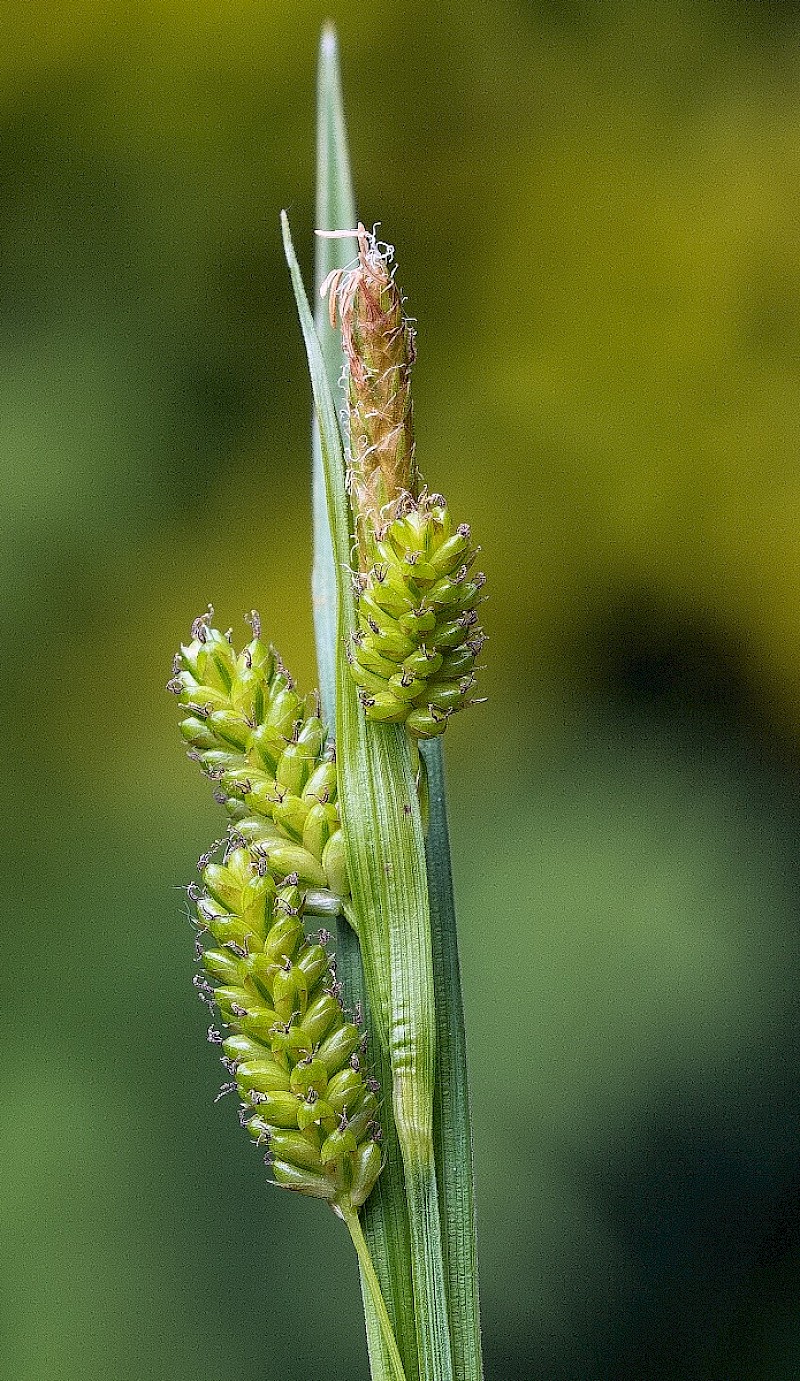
350,1073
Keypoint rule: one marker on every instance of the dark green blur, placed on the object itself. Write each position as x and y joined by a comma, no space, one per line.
595,209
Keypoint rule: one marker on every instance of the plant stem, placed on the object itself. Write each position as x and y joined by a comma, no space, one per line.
384,1216
386,860
370,1279
383,830
335,210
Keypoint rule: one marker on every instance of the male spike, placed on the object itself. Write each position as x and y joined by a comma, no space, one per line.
414,653
378,343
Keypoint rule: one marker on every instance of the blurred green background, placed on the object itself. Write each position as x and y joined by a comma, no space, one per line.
595,209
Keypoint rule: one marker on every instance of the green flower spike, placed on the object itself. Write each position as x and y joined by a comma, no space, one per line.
295,1058
414,653
264,747
378,343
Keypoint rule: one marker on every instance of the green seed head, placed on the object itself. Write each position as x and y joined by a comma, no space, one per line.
418,637
265,749
289,1047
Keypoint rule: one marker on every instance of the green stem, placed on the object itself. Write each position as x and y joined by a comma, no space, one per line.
370,1280
383,829
385,1221
386,860
335,210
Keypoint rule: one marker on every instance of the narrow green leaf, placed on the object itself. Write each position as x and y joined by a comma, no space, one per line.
451,1113
335,211
330,436
385,1220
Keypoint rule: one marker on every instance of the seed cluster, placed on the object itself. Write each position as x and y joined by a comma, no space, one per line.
264,746
418,638
294,1057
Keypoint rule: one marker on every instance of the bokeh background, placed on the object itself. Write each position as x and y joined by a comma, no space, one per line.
595,206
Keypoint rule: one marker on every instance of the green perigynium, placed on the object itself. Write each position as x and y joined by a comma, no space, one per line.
296,1059
264,746
414,653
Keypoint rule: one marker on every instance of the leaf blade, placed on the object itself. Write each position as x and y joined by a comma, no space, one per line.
452,1122
386,1223
335,210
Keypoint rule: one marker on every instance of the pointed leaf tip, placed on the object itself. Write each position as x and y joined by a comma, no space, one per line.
328,40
